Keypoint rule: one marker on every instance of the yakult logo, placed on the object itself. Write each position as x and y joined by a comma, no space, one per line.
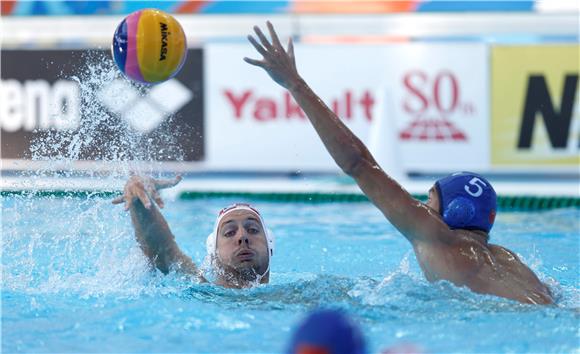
247,103
431,100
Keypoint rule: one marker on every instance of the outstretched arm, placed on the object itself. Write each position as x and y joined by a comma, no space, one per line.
151,229
415,220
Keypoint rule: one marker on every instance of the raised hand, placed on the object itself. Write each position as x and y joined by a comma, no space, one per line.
278,63
145,189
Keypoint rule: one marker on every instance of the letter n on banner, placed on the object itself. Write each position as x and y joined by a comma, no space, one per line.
535,112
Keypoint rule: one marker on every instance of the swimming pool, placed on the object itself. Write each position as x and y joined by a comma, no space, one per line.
74,280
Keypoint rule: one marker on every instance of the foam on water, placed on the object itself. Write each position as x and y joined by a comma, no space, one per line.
52,258
103,135
77,255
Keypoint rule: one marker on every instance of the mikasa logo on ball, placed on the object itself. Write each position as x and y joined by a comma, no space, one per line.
164,35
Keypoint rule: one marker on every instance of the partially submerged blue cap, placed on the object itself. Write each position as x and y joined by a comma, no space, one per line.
467,201
327,331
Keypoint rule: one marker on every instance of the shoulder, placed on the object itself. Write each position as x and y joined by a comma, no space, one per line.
503,253
477,240
458,238
471,249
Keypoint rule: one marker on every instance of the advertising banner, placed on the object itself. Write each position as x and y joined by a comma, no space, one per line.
439,96
536,107
254,124
75,105
434,106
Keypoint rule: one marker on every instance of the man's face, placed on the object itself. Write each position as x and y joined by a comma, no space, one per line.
241,242
433,201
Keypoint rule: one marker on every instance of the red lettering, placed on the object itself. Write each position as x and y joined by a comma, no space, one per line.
265,109
292,108
335,107
348,99
237,103
415,91
367,102
269,109
454,86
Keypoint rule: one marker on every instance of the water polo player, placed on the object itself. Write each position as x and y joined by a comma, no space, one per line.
450,232
239,248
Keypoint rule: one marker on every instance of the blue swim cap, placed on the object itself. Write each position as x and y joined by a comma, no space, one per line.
467,201
327,331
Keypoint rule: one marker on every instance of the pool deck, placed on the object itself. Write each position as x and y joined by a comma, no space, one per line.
283,185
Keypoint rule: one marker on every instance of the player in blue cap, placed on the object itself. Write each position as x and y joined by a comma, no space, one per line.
450,232
327,332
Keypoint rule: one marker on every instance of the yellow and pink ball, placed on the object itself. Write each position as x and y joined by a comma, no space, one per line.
149,46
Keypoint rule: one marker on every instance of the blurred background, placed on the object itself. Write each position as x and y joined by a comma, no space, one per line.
430,86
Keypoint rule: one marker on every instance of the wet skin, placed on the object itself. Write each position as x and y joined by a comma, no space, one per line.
462,257
467,259
242,245
241,241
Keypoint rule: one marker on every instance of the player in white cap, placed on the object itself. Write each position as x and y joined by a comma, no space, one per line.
239,249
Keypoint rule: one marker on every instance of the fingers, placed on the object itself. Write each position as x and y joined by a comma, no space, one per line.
262,38
258,47
145,189
157,198
255,62
273,35
120,199
161,184
167,183
144,198
128,203
291,49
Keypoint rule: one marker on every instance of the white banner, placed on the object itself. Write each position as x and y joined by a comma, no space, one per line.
253,124
440,97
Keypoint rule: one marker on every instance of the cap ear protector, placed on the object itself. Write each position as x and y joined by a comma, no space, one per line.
211,241
467,201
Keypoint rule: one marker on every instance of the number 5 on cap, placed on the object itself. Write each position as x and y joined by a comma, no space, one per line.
478,188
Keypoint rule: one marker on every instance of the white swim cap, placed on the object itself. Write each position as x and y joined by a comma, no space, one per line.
211,242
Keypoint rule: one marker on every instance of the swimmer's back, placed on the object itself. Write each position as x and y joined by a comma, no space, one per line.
468,260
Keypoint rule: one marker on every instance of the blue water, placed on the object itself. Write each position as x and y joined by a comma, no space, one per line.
74,280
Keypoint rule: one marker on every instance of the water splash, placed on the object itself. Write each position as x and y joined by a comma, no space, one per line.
105,134
87,246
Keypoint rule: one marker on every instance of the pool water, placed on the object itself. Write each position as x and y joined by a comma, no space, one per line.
74,280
